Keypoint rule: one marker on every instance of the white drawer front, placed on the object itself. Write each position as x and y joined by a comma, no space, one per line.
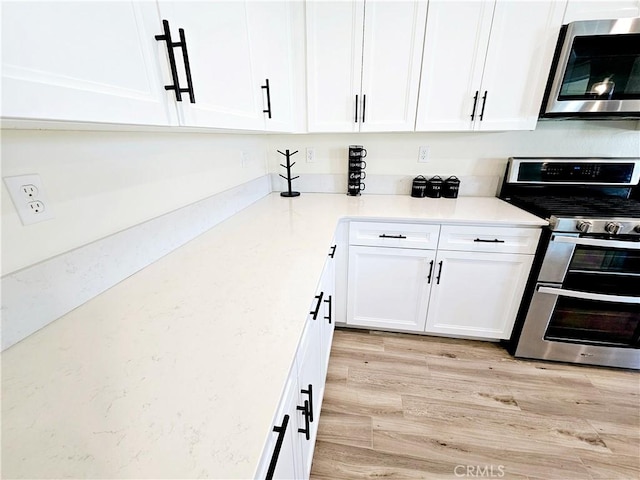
489,239
399,235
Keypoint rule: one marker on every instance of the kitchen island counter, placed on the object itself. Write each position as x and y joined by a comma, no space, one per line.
176,371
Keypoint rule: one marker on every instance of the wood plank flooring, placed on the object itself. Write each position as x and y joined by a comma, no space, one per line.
408,406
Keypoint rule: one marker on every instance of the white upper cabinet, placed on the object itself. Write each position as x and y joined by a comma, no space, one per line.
489,72
227,93
601,9
83,61
363,65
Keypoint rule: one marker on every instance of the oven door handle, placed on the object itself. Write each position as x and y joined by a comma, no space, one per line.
595,242
561,292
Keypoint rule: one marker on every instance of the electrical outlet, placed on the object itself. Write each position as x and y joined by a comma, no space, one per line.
29,198
311,155
423,155
244,158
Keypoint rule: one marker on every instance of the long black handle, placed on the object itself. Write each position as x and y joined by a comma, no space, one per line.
282,430
266,86
430,271
355,118
495,240
309,392
475,103
166,37
364,106
317,309
439,273
333,251
187,67
329,301
484,102
384,235
305,412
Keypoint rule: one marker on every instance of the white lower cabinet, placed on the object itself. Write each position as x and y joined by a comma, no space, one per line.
288,452
477,294
389,287
470,287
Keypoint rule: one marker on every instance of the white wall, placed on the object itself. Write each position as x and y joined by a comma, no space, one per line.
461,154
99,183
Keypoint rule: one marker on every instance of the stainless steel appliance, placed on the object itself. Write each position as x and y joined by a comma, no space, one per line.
596,70
583,299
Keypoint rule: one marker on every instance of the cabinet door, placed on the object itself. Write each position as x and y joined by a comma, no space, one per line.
389,287
334,59
523,38
310,390
455,46
287,460
83,61
477,294
270,24
227,94
600,10
393,40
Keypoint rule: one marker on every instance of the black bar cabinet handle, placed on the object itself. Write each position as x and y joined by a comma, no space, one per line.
305,412
364,106
309,392
430,271
355,118
282,430
317,309
333,251
187,67
475,103
439,272
329,317
484,102
266,86
495,240
384,235
166,37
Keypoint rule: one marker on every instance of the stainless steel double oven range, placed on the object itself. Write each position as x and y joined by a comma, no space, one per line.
582,303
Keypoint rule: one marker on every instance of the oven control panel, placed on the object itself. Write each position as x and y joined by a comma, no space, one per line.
594,171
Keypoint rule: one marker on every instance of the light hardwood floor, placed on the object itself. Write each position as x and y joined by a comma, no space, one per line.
408,406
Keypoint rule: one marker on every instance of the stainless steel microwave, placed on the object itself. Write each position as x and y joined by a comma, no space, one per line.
596,71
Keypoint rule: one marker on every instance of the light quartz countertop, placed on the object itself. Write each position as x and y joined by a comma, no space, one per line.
176,372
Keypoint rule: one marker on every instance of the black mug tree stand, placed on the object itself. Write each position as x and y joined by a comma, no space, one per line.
288,178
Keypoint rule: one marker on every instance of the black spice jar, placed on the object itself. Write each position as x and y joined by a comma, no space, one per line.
419,187
450,187
434,187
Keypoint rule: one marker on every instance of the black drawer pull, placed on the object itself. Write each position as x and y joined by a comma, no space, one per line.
430,271
266,87
282,430
172,60
333,251
484,102
439,273
329,301
187,67
495,240
317,309
305,412
475,102
356,115
384,235
309,392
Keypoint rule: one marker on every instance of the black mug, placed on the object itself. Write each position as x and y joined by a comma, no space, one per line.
357,151
356,176
356,164
355,188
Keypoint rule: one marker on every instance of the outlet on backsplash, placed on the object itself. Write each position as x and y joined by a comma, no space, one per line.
29,199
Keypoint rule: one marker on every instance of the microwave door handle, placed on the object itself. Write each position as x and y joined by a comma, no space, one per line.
594,242
561,292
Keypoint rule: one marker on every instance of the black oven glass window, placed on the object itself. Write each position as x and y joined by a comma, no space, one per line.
603,67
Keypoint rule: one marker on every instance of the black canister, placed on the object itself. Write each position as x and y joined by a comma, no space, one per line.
451,187
434,187
419,187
